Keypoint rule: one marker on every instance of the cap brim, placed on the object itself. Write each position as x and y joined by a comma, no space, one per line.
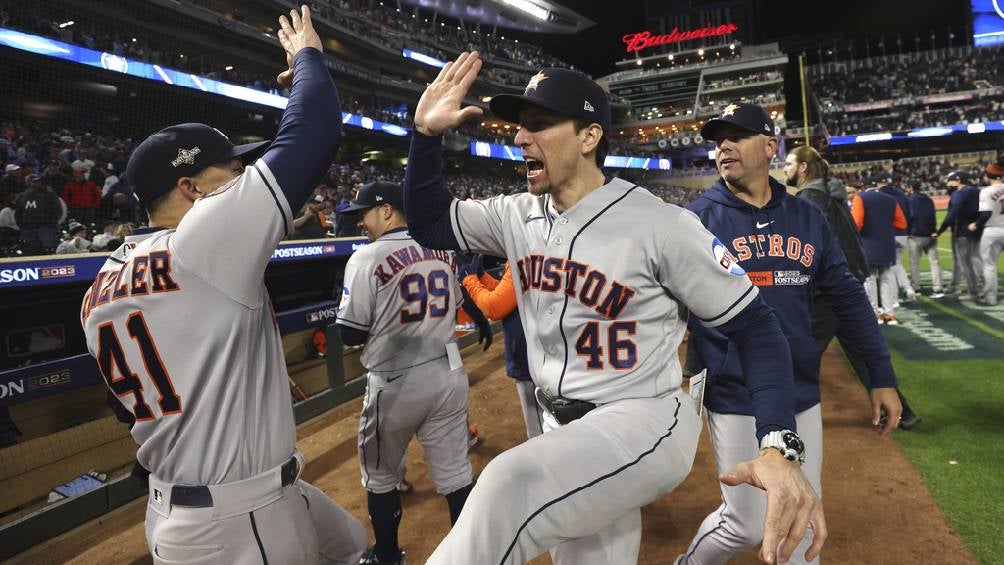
711,127
249,151
508,106
355,207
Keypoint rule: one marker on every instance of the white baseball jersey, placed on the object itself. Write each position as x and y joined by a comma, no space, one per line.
406,297
604,288
992,200
182,328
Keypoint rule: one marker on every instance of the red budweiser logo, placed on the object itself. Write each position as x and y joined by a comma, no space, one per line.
645,39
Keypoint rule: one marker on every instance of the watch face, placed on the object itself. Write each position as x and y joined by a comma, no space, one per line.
792,441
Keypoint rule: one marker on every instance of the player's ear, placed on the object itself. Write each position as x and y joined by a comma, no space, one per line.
591,138
188,188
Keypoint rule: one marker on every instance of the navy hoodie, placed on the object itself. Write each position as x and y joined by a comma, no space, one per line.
787,250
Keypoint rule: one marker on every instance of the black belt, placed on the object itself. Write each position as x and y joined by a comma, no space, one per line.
200,497
564,410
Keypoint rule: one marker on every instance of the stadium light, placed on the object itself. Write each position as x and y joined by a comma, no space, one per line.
229,67
528,7
732,46
65,24
700,52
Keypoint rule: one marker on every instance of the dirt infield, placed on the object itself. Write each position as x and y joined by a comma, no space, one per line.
877,507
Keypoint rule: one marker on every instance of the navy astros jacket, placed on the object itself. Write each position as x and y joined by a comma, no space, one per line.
787,250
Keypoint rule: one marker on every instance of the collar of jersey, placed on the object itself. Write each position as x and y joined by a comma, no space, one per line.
601,196
402,229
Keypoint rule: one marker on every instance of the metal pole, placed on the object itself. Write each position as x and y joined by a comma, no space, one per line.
805,101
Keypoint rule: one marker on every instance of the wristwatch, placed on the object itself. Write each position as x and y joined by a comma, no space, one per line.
787,442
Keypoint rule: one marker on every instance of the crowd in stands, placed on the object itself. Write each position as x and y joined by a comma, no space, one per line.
925,174
913,74
899,120
134,47
905,90
435,38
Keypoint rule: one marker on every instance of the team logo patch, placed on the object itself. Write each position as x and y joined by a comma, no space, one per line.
345,299
186,156
726,259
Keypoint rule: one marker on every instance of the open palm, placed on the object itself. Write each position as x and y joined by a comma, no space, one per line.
439,108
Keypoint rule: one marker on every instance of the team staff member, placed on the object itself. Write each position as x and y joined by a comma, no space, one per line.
602,333
876,216
180,322
806,169
991,221
922,228
786,247
497,299
401,300
883,180
963,212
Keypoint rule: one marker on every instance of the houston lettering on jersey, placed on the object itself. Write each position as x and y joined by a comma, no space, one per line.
773,245
395,262
141,275
589,286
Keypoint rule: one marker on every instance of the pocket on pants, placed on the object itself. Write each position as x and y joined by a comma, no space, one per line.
191,554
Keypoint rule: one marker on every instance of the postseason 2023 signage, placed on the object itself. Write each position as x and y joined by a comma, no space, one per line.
645,39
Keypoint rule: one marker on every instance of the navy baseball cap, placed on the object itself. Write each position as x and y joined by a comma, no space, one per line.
377,193
962,176
879,177
750,117
562,90
181,150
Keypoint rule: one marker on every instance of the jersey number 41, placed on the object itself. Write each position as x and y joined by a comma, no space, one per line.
120,377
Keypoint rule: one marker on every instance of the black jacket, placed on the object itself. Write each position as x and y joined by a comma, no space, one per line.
37,208
832,200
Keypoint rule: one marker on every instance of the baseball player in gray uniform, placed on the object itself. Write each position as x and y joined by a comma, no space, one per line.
401,300
991,218
180,322
606,277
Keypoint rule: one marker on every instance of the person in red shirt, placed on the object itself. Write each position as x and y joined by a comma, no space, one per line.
82,197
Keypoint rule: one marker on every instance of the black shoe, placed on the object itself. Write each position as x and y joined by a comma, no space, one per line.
909,422
369,557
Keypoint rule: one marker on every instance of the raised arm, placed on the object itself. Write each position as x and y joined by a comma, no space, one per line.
426,199
311,126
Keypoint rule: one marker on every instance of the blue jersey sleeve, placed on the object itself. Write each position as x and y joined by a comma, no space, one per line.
426,199
310,130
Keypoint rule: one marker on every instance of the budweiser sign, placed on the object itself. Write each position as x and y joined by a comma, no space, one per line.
645,39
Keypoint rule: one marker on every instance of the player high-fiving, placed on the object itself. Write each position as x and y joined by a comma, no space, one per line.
180,322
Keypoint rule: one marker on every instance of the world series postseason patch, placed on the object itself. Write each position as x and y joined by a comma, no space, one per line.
726,259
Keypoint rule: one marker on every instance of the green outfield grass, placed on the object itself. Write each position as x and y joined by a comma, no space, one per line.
949,358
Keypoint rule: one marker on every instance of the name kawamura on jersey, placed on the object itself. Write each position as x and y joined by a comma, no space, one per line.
396,262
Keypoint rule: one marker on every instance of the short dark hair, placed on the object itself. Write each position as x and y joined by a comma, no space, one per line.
602,148
156,203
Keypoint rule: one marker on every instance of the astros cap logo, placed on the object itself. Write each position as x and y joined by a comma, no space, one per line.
535,81
730,110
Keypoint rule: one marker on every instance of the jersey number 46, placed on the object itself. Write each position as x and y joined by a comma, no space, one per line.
121,378
620,351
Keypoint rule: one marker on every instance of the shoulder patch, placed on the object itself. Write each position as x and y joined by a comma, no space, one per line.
726,259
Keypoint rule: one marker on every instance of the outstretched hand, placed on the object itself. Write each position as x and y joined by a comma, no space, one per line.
792,505
295,34
439,108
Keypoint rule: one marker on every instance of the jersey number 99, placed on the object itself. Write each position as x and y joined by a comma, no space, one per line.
425,293
120,377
